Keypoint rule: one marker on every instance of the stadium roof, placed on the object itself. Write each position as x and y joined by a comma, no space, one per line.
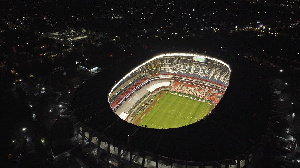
230,130
164,55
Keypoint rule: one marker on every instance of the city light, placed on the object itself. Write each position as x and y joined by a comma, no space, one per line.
43,90
117,35
43,140
33,116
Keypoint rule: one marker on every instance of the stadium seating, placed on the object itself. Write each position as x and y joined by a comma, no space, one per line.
207,79
124,84
210,70
198,90
126,94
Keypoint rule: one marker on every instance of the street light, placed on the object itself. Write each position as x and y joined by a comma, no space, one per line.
24,129
281,70
43,140
43,90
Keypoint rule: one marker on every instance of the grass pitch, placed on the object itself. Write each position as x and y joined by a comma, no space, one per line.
172,110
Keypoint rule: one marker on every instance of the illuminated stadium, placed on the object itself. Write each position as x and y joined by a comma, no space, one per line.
167,112
144,96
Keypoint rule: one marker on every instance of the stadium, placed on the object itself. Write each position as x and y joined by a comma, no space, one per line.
167,112
198,78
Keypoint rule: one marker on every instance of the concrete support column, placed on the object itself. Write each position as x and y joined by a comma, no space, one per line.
143,162
119,155
82,137
90,137
247,162
98,147
108,147
119,151
108,154
238,165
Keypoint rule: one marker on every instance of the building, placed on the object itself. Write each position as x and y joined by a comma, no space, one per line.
219,140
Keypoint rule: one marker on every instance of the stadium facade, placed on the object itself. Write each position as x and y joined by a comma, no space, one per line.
219,140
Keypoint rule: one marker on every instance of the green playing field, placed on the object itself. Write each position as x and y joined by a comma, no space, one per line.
172,110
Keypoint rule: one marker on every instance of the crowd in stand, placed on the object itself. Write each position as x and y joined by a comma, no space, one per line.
201,91
207,80
209,70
